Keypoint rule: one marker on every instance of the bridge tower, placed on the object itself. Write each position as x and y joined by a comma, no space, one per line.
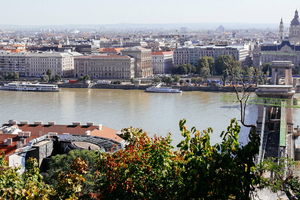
275,116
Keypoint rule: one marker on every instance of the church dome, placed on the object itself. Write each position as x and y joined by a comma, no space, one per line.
295,21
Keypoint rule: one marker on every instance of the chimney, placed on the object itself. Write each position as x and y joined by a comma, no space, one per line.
51,123
23,122
12,122
100,127
90,124
76,123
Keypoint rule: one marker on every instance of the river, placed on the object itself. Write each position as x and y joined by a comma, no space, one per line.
155,113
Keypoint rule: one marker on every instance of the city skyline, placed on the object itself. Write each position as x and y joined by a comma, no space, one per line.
55,12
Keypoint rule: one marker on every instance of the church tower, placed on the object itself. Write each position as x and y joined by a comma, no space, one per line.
281,29
294,35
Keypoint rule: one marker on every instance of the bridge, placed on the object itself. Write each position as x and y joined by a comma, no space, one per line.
275,114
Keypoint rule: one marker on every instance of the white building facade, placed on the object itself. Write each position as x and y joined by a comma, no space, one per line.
192,54
162,62
105,67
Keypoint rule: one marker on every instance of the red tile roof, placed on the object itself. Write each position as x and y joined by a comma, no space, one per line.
43,129
162,53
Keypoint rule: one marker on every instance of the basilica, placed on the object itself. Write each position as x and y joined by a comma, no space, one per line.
288,48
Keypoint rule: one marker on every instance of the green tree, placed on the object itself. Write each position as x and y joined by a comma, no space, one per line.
205,64
30,185
70,183
49,73
220,171
45,78
281,176
176,78
166,79
62,163
156,79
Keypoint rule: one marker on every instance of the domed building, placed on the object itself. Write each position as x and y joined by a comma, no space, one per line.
294,33
287,48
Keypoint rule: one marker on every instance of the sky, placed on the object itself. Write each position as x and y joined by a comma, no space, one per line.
62,12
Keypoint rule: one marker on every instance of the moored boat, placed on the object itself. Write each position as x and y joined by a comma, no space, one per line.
159,89
30,87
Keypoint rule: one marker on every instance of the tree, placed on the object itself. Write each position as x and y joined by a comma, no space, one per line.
146,169
176,78
220,171
281,177
156,79
49,73
61,164
45,78
184,69
30,185
166,79
205,64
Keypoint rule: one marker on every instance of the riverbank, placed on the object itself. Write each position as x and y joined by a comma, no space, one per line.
143,87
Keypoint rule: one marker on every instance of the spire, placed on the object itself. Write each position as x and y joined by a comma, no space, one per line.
281,30
295,21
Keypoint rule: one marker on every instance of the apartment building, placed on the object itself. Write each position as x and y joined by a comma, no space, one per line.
192,54
13,62
162,62
143,61
61,64
36,64
105,66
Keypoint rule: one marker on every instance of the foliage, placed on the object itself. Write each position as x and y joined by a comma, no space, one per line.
156,79
184,69
85,78
220,171
277,175
70,184
45,78
146,169
61,164
49,73
30,185
166,79
11,76
205,66
228,67
176,78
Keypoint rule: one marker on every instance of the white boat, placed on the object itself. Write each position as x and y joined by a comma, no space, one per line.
159,89
30,87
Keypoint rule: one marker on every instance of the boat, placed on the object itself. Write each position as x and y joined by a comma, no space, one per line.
30,87
159,89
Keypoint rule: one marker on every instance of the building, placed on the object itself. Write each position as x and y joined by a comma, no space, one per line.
13,62
192,54
162,62
105,67
19,141
110,51
61,64
288,48
143,61
36,64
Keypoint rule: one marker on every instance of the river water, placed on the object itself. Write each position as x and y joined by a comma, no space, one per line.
155,113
